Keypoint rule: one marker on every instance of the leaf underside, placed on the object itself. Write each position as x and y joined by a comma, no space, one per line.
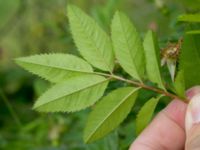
92,42
72,95
145,114
109,113
128,46
78,87
152,56
55,67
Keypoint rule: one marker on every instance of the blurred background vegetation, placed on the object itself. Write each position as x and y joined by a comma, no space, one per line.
40,26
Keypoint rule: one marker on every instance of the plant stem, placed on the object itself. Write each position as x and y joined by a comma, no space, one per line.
142,85
11,110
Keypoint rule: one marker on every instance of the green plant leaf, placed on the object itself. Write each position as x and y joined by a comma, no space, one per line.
92,42
179,84
109,113
55,67
152,55
128,46
145,114
189,60
193,32
190,17
72,95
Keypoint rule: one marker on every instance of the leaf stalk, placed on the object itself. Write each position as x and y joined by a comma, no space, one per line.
142,85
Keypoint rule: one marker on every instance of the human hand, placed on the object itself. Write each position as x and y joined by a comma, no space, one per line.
176,127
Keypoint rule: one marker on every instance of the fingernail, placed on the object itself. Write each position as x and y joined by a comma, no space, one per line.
193,112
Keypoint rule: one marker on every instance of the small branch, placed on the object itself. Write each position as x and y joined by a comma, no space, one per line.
11,110
142,85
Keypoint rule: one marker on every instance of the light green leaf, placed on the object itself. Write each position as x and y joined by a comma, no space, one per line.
190,17
128,46
179,84
145,114
72,95
109,113
193,32
92,42
189,60
55,67
152,55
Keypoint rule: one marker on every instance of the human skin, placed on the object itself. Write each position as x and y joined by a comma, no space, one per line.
172,128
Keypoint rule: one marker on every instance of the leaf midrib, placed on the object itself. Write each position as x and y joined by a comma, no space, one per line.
113,110
73,92
93,42
129,49
56,67
157,69
157,65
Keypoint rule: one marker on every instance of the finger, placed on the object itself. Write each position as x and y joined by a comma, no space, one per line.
167,127
192,123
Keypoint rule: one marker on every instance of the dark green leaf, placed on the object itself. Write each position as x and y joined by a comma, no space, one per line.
190,60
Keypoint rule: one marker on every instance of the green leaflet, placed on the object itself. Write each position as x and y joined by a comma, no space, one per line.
145,114
193,32
128,46
190,17
152,55
92,42
179,84
109,113
190,60
72,95
55,67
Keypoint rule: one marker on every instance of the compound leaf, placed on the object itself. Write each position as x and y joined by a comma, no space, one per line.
145,114
128,46
72,95
92,42
109,113
55,67
152,55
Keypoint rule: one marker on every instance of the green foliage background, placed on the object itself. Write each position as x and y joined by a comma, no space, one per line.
35,26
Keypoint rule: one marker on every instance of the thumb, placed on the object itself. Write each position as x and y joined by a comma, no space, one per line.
192,124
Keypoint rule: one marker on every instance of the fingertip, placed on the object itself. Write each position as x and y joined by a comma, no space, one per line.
176,111
193,91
